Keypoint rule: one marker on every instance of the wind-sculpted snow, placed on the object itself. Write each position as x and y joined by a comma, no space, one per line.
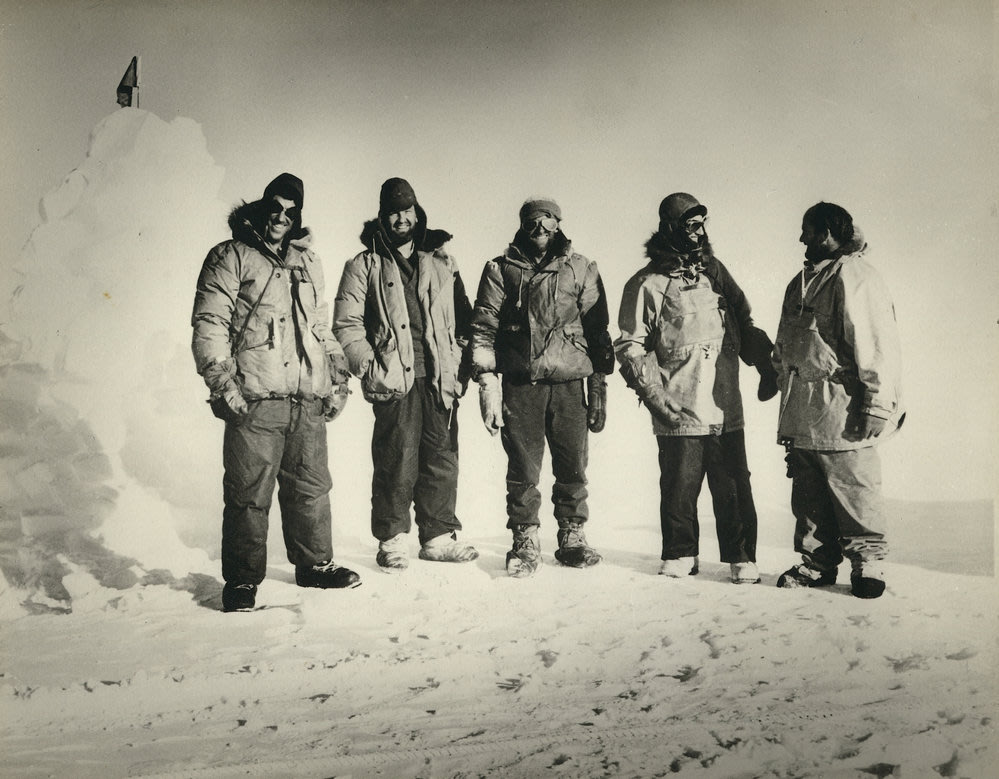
94,328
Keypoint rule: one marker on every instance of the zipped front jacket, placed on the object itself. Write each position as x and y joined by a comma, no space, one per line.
266,313
371,320
541,322
837,354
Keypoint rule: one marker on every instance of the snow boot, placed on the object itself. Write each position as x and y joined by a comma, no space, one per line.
573,550
678,568
326,575
745,573
238,597
867,580
803,575
446,548
393,554
525,557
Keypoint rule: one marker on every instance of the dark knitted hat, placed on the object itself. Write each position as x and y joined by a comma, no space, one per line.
538,206
286,186
396,195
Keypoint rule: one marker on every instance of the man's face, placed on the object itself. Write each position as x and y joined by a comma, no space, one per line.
819,244
401,224
281,215
540,230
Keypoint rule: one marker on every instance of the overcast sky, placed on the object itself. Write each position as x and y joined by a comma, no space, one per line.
758,108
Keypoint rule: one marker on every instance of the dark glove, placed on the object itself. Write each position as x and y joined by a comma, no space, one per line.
334,404
866,426
596,402
768,381
662,408
643,377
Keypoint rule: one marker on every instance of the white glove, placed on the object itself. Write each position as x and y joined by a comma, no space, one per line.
491,402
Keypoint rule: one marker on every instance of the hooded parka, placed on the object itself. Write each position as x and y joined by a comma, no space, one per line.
543,322
682,322
267,313
371,319
837,354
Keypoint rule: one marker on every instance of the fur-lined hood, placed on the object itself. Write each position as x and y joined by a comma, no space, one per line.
669,260
374,238
246,219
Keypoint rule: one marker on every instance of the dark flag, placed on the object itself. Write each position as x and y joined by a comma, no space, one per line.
129,85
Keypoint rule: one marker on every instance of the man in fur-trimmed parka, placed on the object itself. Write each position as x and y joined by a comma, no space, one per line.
684,325
838,360
402,316
540,322
263,345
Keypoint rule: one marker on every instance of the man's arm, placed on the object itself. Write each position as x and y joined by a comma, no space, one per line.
596,319
871,332
485,318
348,316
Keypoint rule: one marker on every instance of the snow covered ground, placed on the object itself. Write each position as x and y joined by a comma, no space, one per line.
459,671
116,660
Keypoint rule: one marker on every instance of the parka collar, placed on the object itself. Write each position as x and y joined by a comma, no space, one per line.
242,223
374,237
667,260
561,249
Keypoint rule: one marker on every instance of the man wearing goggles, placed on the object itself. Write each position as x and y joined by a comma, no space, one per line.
684,325
263,345
540,323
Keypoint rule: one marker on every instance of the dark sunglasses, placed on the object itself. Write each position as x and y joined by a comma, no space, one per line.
276,209
550,223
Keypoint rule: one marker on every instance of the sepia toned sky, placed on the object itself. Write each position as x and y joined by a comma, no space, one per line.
760,109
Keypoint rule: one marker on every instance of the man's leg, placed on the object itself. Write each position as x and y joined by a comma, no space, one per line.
681,472
566,431
816,531
304,485
395,447
523,436
731,496
436,490
854,479
251,456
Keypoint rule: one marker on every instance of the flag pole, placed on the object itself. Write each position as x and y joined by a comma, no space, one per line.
138,79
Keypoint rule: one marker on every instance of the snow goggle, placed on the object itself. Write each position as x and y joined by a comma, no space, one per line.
549,223
696,224
276,209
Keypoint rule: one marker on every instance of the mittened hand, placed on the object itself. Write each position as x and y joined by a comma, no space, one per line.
768,382
868,426
596,402
339,369
229,405
334,404
491,402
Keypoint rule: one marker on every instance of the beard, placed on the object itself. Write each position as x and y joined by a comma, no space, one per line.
683,243
818,253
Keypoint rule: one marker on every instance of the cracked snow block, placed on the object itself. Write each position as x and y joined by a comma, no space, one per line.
91,466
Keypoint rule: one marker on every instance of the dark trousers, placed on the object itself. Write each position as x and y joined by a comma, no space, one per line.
414,448
281,441
533,414
837,504
683,463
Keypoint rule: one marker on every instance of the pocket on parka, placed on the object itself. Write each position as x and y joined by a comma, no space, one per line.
804,351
